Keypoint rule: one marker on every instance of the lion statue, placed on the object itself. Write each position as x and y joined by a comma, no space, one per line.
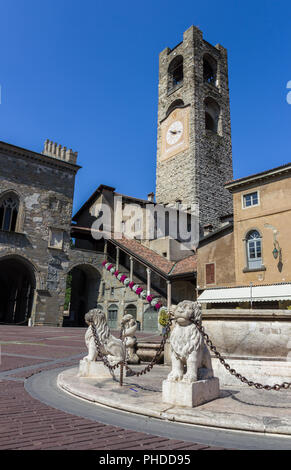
111,347
187,346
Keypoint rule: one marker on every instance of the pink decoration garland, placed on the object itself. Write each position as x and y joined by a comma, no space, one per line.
138,291
158,306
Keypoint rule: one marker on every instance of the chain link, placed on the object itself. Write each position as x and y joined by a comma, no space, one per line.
160,349
99,350
154,361
148,368
259,386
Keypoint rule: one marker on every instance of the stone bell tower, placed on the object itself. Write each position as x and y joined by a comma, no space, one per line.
194,156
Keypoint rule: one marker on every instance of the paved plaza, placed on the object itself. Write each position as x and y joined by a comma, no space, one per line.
36,414
27,423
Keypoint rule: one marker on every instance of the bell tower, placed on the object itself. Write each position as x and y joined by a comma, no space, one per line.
194,156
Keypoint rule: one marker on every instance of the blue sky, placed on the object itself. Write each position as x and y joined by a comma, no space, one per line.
85,74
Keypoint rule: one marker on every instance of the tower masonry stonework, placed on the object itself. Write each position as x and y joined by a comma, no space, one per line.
194,154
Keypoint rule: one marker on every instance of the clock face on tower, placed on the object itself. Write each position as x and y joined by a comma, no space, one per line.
175,133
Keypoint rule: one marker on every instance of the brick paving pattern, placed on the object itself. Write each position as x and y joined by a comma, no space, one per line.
26,423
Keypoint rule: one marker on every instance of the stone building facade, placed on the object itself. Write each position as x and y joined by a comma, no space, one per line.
51,269
194,155
36,196
35,252
169,280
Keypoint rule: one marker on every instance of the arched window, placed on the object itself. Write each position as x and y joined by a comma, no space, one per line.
130,309
174,105
175,73
254,249
212,112
9,207
209,69
112,316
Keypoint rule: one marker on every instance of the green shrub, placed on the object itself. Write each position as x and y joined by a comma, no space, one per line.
164,317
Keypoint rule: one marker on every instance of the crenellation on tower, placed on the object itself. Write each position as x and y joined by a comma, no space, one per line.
52,149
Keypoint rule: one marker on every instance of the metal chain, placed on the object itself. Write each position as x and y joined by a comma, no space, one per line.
99,350
284,385
148,368
154,361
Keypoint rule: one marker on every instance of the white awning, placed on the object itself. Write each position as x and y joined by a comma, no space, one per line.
245,294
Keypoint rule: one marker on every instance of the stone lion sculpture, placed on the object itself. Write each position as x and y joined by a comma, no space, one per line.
188,349
111,347
129,325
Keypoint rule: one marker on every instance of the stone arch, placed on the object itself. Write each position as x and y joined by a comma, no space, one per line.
176,104
18,283
83,282
131,309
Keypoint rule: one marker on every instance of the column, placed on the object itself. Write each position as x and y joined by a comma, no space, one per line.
148,281
105,247
117,257
169,294
131,268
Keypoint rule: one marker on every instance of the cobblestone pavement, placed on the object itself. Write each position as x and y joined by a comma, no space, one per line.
26,423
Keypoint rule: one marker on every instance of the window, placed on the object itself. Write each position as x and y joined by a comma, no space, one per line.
112,316
212,112
112,291
250,199
210,273
254,249
175,73
9,207
56,238
131,310
209,69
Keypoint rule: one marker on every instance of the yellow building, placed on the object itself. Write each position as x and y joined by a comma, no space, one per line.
255,250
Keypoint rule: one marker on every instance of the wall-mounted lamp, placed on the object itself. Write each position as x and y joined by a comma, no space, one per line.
276,251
